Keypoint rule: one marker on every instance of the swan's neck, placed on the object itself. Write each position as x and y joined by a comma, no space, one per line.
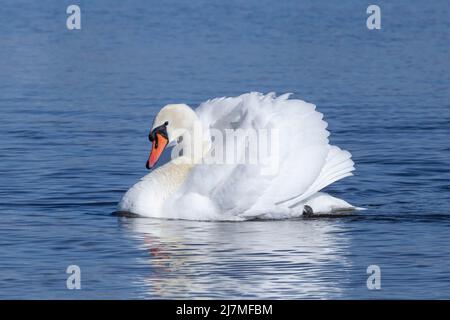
187,152
149,195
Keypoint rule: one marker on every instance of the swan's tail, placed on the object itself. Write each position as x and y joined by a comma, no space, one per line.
338,165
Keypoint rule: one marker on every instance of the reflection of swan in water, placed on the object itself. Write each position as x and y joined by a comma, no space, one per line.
195,187
260,259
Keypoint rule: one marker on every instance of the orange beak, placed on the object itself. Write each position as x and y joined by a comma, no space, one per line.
158,146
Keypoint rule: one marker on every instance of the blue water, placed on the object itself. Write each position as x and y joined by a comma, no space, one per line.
76,107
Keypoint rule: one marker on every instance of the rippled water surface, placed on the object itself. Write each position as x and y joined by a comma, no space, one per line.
75,111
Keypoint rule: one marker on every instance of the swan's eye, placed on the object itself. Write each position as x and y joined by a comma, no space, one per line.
162,129
151,135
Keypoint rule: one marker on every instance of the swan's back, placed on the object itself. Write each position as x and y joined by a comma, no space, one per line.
306,161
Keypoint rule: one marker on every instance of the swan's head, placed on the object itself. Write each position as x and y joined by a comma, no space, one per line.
171,122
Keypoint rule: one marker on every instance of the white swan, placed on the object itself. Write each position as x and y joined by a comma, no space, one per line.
191,187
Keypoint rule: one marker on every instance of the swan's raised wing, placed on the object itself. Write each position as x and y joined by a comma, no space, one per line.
304,161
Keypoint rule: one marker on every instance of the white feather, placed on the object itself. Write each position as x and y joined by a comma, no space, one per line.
307,164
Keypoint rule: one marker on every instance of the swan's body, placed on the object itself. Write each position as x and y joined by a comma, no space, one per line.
187,188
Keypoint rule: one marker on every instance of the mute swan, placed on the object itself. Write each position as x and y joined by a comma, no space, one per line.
188,187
